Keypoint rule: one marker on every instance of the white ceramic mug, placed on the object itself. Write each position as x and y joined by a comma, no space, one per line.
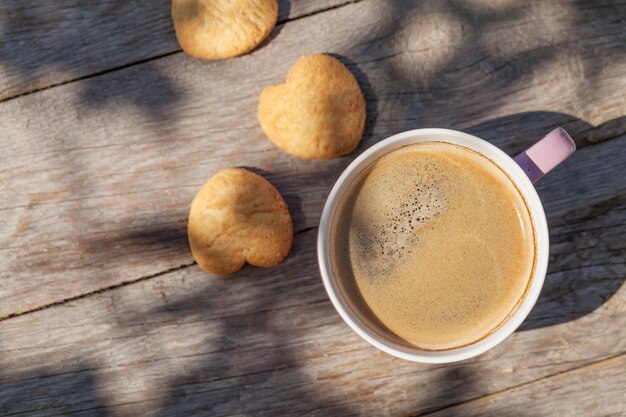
526,168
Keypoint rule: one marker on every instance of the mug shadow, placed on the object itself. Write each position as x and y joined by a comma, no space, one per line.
575,286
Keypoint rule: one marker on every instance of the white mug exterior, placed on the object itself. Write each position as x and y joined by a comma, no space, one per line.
533,202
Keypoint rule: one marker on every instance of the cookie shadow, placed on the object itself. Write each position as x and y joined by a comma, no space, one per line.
371,101
284,8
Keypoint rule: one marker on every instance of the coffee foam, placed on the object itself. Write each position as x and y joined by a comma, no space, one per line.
387,230
433,245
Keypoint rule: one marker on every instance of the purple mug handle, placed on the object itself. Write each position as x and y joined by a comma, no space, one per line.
546,154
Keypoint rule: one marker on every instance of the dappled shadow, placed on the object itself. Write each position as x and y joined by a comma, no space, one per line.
44,392
256,361
48,43
158,101
516,132
451,387
570,295
582,275
449,65
253,365
164,239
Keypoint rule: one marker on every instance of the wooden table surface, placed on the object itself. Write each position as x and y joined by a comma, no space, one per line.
107,130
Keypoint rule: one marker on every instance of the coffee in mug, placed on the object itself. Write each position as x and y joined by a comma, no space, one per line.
432,246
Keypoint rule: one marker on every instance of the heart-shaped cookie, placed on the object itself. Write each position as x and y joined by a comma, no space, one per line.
237,217
318,113
218,29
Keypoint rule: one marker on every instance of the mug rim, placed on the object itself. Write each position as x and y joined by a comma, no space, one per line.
526,189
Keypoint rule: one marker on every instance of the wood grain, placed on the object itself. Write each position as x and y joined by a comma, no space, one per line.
49,43
268,342
98,174
593,390
102,311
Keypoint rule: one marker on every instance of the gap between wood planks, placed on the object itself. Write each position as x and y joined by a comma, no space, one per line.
487,397
118,285
99,291
154,58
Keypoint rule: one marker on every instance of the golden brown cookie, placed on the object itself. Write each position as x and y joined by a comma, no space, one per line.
218,29
318,113
237,217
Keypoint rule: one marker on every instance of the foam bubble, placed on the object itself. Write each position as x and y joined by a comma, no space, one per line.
391,208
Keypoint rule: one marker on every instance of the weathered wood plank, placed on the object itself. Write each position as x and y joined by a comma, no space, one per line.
268,342
594,390
44,43
97,175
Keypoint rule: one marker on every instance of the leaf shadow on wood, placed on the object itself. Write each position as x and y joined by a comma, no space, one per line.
256,348
143,240
446,69
240,372
40,39
158,102
449,388
256,362
249,363
160,239
73,391
254,351
516,132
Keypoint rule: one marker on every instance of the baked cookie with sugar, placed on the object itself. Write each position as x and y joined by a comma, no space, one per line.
238,217
219,29
318,113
